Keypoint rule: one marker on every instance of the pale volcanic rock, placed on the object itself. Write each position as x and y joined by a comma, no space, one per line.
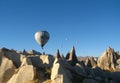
7,69
25,61
12,55
24,74
42,61
107,60
90,62
59,71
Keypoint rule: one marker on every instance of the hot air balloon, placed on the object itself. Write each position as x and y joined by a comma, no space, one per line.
42,38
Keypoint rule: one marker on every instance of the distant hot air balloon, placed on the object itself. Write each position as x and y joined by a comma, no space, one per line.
42,37
76,42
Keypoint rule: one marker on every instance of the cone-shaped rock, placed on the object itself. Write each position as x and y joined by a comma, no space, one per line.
57,54
73,56
67,55
90,62
24,52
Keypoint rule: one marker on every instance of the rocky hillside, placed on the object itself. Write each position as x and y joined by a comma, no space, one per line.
34,67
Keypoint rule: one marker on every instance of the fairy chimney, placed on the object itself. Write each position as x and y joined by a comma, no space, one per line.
73,57
57,54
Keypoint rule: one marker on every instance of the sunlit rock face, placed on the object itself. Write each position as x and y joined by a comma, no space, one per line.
7,69
107,60
24,74
12,55
60,73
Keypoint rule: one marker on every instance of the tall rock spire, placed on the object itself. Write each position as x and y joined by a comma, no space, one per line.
67,56
73,56
57,54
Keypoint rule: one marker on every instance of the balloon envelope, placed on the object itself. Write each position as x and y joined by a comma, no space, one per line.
42,37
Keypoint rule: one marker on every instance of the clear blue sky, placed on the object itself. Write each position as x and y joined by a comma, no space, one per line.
95,24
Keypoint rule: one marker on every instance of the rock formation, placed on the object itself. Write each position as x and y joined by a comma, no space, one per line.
67,55
90,62
80,68
33,52
21,67
57,54
24,74
72,57
62,56
7,69
107,61
118,61
25,61
42,61
59,73
15,57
